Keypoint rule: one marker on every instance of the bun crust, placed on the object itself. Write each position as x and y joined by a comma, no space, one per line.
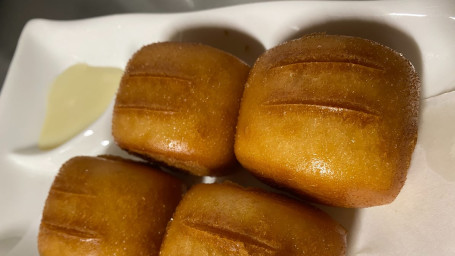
178,104
107,206
332,118
225,219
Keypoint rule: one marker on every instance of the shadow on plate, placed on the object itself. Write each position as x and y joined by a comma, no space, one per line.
7,244
30,150
346,217
114,150
229,40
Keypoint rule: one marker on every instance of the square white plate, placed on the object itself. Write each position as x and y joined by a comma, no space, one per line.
419,222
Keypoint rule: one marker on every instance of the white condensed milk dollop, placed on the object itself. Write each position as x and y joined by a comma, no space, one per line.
77,97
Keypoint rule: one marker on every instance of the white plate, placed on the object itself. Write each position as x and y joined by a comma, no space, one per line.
419,222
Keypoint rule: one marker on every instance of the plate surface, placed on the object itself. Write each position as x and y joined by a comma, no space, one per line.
419,222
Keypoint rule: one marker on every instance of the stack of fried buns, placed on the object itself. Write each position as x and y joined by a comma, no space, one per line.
330,119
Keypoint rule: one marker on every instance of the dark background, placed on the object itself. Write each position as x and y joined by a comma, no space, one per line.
14,14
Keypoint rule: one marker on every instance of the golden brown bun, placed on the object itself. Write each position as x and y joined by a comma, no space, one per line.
223,219
178,104
107,206
333,118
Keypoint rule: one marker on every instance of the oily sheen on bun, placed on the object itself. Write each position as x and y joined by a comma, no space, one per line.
332,118
107,206
226,219
178,104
